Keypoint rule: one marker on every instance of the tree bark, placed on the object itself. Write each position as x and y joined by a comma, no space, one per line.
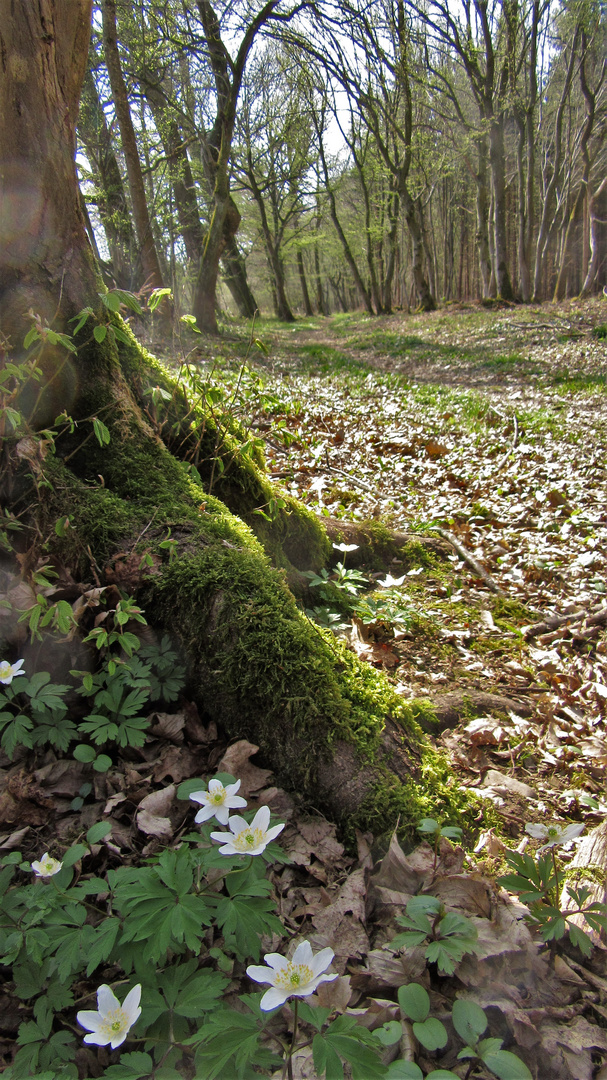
235,277
305,295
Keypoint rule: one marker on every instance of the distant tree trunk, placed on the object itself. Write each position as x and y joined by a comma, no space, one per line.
235,277
305,295
414,225
272,245
145,237
594,203
320,295
179,168
393,209
545,231
497,160
111,198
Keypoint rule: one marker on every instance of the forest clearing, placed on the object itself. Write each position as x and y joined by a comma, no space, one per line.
303,618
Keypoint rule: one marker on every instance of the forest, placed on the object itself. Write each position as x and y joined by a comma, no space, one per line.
382,156
303,546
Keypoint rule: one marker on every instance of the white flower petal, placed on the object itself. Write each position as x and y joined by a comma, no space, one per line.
106,1000
571,832
321,961
304,955
228,849
199,797
231,789
276,960
237,823
273,998
130,1005
97,1039
324,978
221,813
261,819
540,832
234,800
274,832
206,813
118,1039
259,974
88,1019
214,786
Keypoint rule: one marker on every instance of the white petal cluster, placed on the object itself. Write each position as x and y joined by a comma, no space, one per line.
553,835
217,801
46,866
245,839
298,977
8,672
112,1021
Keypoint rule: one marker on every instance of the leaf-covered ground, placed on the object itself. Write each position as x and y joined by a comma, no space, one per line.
490,425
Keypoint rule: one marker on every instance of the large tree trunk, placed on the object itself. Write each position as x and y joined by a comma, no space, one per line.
327,725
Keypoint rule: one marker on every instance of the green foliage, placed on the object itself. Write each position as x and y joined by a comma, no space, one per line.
449,936
431,828
470,1024
538,880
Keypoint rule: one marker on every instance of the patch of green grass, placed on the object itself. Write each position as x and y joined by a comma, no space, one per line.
512,362
579,384
329,360
600,331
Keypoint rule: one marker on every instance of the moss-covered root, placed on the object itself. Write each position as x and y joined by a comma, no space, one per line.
291,535
327,725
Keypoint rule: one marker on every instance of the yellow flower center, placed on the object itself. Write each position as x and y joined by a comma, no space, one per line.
248,838
115,1022
294,976
218,797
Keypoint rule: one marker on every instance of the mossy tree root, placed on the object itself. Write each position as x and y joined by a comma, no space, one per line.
329,727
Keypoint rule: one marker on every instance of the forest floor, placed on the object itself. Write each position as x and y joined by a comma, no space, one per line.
490,425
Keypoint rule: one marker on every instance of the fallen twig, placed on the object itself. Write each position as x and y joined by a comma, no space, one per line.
593,618
468,558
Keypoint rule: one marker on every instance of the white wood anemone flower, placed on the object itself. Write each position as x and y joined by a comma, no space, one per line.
245,839
298,977
217,801
46,866
112,1021
553,835
8,672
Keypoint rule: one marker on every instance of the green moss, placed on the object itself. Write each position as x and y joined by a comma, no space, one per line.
293,537
436,793
256,663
